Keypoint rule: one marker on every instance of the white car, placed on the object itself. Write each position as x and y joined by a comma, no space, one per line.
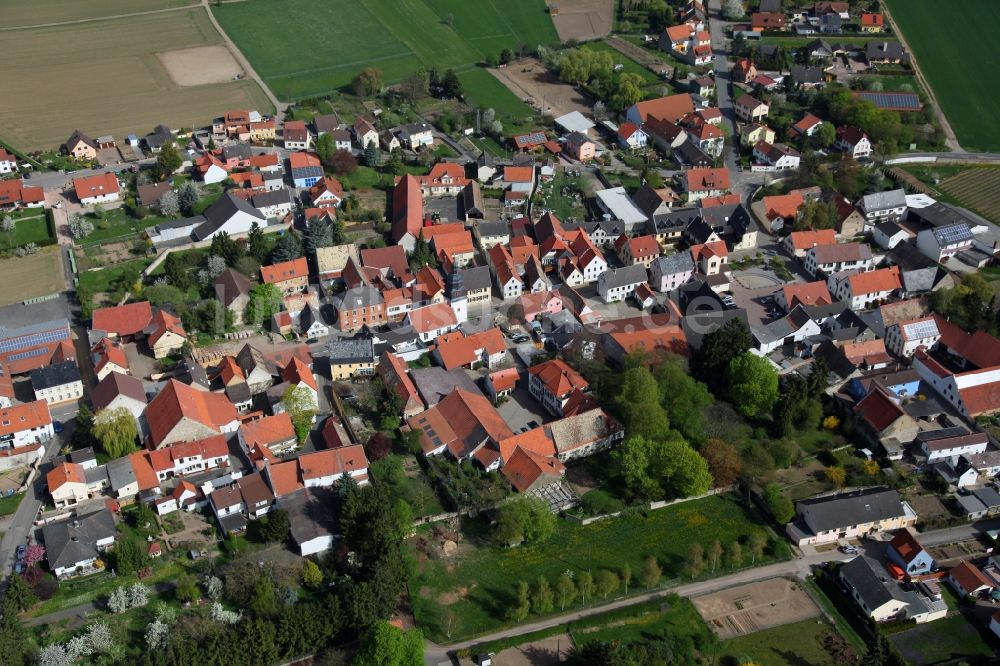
849,550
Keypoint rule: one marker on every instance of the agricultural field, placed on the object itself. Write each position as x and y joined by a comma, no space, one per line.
51,88
960,68
15,13
476,587
483,89
787,645
39,274
313,47
979,189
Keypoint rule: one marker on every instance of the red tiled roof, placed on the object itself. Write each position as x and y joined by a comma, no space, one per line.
461,421
143,471
164,322
327,184
872,282
334,433
504,379
537,440
518,174
464,350
96,185
107,351
268,430
803,240
29,415
873,20
808,293
333,462
177,401
284,478
297,372
407,208
67,472
906,545
979,348
558,377
707,179
670,108
524,468
870,352
123,320
303,160
713,249
982,399
13,192
969,577
722,200
286,270
878,410
431,317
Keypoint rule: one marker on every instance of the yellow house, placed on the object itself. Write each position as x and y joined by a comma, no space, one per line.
263,130
80,146
352,358
166,334
751,135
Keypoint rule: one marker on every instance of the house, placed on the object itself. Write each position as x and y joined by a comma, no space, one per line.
181,413
884,206
99,188
761,21
445,178
944,242
828,259
351,358
296,135
638,250
407,212
431,321
885,53
903,338
151,193
798,243
750,110
669,109
312,522
290,277
229,214
508,282
306,169
580,147
465,425
616,202
849,515
778,155
119,390
365,133
669,272
359,306
79,146
73,546
331,261
655,202
969,581
808,294
854,142
863,289
257,370
519,178
501,383
631,137
951,443
753,133
416,135
310,324
872,22
67,484
122,321
706,137
187,458
458,350
326,193
275,433
883,418
701,183
108,356
882,599
888,235
57,383
232,289
553,383
710,258
326,122
8,163
807,126
14,194
165,334
906,552
744,71
646,333
615,285
393,371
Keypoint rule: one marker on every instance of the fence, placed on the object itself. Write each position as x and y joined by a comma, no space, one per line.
40,299
653,506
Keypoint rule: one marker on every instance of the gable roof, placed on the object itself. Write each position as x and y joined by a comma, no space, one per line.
670,108
524,468
407,208
458,350
113,385
707,179
859,507
177,401
286,270
122,320
163,322
462,421
96,185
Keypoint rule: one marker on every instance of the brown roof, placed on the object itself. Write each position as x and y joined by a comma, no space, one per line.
113,385
254,490
906,545
230,285
286,270
878,410
841,252
707,179
126,319
969,577
670,108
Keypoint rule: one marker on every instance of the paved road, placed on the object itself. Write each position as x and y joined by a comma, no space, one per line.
723,81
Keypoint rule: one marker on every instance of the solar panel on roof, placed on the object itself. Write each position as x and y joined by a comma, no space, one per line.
921,329
890,100
954,233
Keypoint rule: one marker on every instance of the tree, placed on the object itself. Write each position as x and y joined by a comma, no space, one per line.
312,575
177,271
55,655
326,147
421,254
301,407
626,576
686,471
753,384
651,572
265,300
257,246
274,526
318,233
565,591
415,85
718,349
723,460
288,247
187,588
835,475
607,582
116,431
157,632
224,246
732,10
79,226
19,594
525,519
7,224
14,642
222,615
169,204
756,545
649,468
451,86
188,197
714,555
368,82
781,508
344,163
734,555
639,404
370,156
169,160
395,163
585,585
384,644
695,563
628,91
541,596
519,612
128,557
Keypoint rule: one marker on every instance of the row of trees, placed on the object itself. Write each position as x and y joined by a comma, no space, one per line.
595,71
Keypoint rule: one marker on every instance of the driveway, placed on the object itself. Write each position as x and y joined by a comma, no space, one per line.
522,409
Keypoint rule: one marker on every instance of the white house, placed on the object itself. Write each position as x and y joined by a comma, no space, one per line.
777,155
632,137
905,337
827,259
230,214
951,443
618,284
416,135
882,206
864,289
854,142
942,242
25,424
8,163
73,546
849,515
888,235
275,204
58,383
100,188
432,320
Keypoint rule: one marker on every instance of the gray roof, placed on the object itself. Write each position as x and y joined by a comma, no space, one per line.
239,393
770,6
70,541
878,49
487,229
476,278
120,473
872,582
689,154
802,74
326,122
96,474
970,504
939,215
621,277
953,233
272,198
82,455
884,200
675,219
677,262
358,350
312,513
829,512
988,496
697,325
356,297
307,172
50,376
240,150
434,384
222,211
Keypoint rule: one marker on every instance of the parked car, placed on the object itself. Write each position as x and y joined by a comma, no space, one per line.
57,426
849,550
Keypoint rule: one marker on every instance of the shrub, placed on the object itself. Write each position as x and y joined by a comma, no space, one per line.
599,502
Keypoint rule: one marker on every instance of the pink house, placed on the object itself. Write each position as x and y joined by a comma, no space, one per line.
541,303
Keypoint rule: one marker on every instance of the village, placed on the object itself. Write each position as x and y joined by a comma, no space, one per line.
314,347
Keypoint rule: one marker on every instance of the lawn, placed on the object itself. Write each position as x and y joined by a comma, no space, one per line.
313,47
483,89
44,67
629,66
104,279
9,504
960,69
28,230
39,274
955,637
674,618
18,12
787,645
479,586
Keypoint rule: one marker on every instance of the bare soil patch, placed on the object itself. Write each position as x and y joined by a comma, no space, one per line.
749,608
583,19
552,650
532,82
200,65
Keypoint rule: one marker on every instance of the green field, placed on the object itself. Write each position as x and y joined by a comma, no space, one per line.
483,89
312,47
480,586
19,12
28,229
959,65
787,645
628,65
